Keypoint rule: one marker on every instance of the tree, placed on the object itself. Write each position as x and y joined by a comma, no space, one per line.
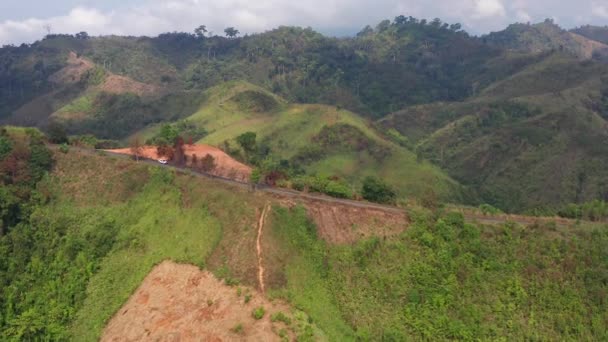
375,190
247,141
231,32
256,176
57,133
179,155
136,147
200,31
82,35
208,163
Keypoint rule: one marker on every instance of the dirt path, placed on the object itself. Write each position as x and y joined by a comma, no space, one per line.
259,246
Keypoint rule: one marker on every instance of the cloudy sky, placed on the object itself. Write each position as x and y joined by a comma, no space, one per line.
24,20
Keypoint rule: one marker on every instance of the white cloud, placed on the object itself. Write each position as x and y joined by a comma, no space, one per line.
488,8
599,10
523,16
152,17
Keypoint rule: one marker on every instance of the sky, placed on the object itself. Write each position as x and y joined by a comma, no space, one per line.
25,21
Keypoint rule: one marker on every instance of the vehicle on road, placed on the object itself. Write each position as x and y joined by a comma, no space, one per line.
162,161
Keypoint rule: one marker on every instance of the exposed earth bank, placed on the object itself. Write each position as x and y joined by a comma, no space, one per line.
182,303
226,166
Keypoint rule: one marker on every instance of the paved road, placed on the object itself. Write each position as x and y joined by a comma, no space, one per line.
471,217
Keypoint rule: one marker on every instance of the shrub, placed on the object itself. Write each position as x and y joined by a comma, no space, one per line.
64,148
337,189
487,209
258,313
237,329
280,317
247,298
375,190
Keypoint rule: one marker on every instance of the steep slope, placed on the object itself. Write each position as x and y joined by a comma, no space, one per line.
533,140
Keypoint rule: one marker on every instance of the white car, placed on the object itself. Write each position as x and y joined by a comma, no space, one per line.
162,161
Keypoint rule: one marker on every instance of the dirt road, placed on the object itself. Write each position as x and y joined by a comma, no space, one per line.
292,194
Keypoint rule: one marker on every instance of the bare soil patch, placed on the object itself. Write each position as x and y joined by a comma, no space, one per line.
116,84
73,72
182,303
588,47
226,166
343,224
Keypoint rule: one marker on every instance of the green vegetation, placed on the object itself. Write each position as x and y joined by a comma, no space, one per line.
237,329
80,244
331,186
258,313
183,128
300,143
454,281
591,211
86,235
376,190
280,317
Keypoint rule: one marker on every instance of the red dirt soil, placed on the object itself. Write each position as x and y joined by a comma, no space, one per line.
73,72
116,84
338,223
227,166
182,303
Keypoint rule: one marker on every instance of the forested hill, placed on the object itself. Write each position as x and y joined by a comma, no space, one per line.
496,112
382,69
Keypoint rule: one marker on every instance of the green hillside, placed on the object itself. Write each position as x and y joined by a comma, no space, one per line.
324,140
534,140
83,230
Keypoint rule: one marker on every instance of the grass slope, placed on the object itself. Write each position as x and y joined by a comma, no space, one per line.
288,129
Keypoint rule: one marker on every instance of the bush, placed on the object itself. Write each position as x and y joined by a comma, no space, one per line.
237,329
487,209
57,133
64,148
280,317
337,189
258,313
375,190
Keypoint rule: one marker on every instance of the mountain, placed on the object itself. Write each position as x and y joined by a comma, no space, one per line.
535,140
379,103
597,33
535,38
